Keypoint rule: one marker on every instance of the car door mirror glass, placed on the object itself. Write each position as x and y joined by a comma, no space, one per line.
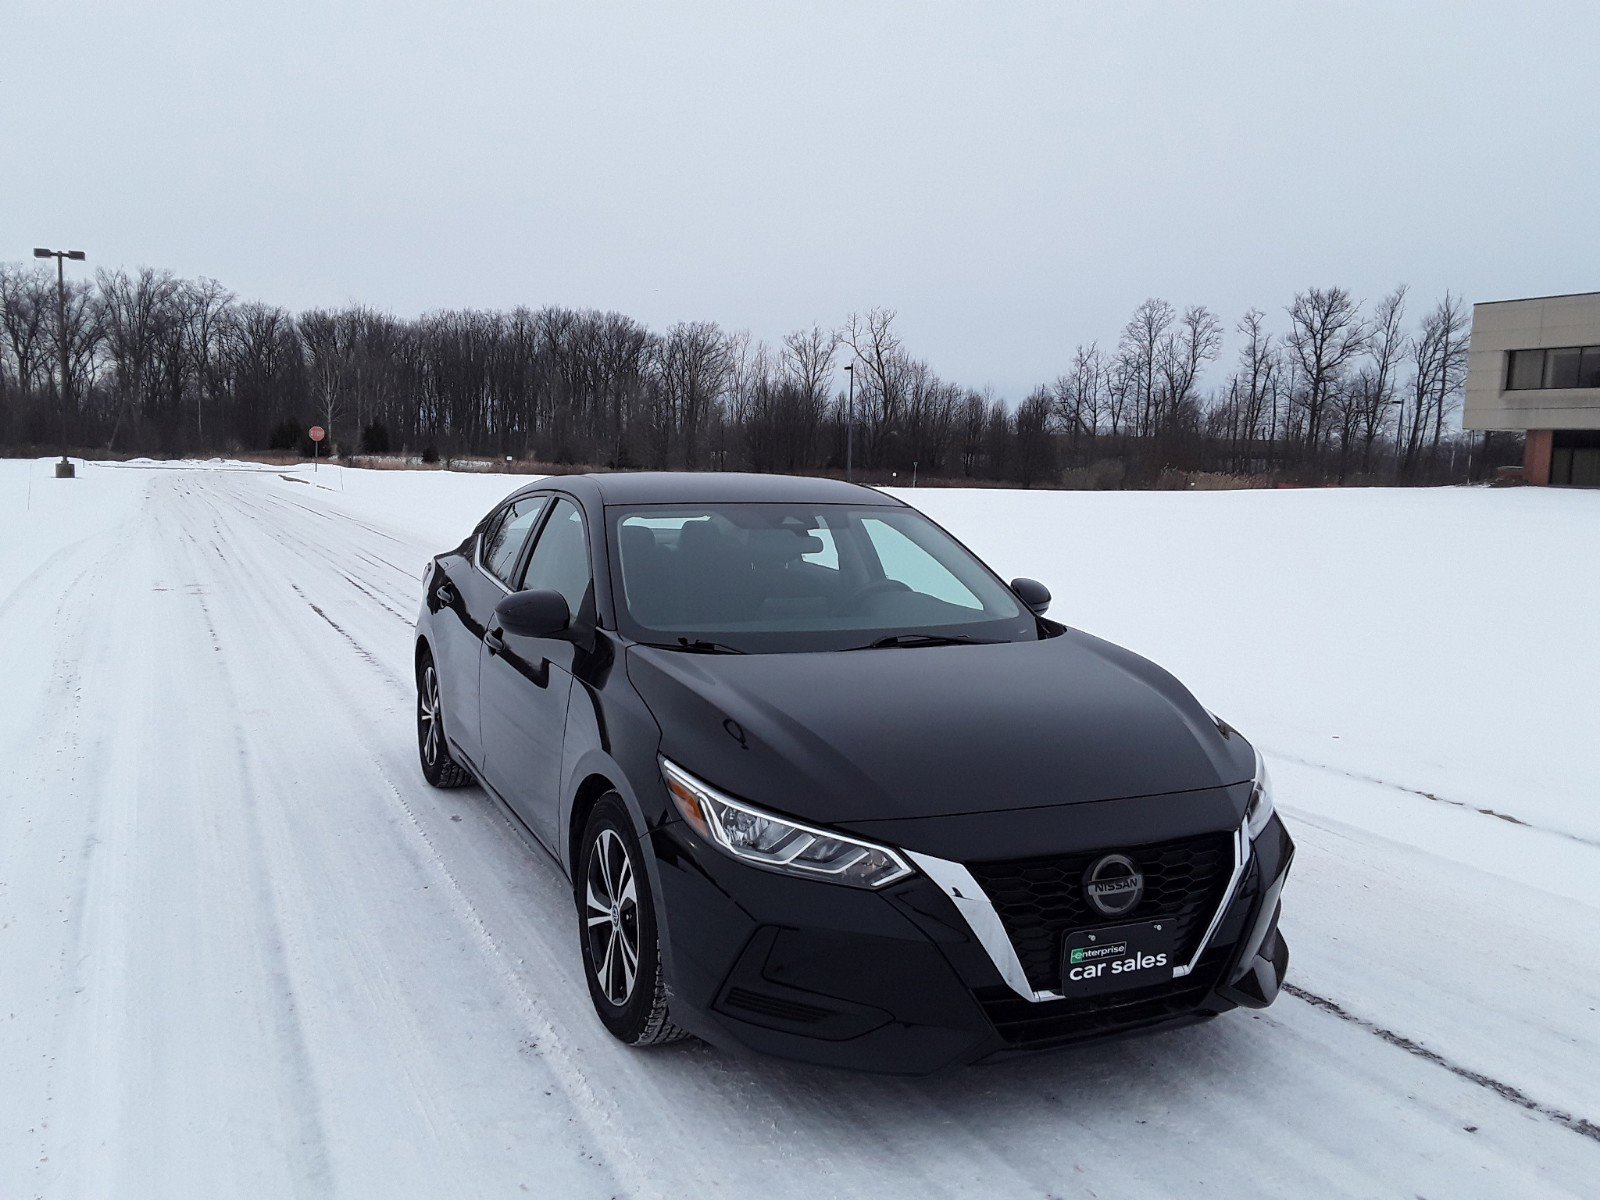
534,614
1033,594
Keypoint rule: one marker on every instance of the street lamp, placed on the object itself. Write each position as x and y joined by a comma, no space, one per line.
850,426
64,468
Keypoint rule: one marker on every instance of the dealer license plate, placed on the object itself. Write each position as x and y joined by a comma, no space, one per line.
1118,958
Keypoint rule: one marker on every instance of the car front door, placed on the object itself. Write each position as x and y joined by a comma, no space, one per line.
524,685
462,597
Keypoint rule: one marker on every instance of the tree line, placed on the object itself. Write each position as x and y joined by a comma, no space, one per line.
1328,389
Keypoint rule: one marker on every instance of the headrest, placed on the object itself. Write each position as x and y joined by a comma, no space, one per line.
699,535
638,540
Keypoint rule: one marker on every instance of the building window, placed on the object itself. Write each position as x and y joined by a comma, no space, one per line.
1527,370
1575,457
1589,372
1562,367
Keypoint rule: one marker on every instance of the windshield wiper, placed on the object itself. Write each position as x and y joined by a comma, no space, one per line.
924,639
694,646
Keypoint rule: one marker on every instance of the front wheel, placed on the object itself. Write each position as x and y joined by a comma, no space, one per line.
438,768
617,931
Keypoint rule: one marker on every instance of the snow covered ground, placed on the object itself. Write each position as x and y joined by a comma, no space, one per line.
246,952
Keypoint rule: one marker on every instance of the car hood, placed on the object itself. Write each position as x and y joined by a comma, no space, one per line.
934,731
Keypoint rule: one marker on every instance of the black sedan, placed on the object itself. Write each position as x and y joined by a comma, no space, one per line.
827,788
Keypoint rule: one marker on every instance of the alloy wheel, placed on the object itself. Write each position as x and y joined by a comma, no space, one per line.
611,917
428,729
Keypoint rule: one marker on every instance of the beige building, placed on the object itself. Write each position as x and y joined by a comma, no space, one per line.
1534,365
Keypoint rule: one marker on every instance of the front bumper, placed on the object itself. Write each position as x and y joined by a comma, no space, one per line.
896,981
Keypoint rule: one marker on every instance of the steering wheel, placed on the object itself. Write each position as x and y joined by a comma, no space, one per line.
877,586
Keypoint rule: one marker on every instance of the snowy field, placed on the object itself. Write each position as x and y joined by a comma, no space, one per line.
246,952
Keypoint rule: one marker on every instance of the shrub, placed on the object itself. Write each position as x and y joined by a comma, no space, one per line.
286,435
375,438
1102,475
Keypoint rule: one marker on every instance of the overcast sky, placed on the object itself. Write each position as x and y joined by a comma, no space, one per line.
1012,178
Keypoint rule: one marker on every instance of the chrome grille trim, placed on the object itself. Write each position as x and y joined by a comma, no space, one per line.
975,907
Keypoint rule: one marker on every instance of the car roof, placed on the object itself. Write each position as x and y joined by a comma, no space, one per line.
709,487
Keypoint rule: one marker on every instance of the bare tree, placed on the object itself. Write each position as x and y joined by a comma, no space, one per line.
1325,334
206,309
880,386
137,313
1372,392
1184,353
694,363
27,321
1140,352
1257,375
972,427
1035,456
1078,397
1438,369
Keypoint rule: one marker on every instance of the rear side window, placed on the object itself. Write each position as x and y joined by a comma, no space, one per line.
504,539
560,561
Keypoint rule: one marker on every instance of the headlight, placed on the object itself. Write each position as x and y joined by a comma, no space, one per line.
763,840
1259,809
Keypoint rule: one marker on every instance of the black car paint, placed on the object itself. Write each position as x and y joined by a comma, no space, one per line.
1083,745
937,730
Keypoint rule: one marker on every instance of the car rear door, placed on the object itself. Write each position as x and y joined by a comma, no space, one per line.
463,596
524,687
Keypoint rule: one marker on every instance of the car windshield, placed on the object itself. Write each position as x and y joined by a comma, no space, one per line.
773,578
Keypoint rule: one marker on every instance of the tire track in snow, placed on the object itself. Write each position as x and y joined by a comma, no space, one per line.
305,1106
376,599
362,651
261,604
264,607
599,1115
371,588
1579,1125
1362,777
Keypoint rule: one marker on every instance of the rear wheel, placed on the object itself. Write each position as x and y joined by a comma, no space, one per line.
617,931
438,768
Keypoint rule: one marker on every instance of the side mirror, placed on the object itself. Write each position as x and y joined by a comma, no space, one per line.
1033,594
533,614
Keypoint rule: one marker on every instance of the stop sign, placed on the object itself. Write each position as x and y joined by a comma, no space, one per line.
318,433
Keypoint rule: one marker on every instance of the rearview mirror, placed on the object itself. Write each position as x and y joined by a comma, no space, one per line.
1032,593
534,614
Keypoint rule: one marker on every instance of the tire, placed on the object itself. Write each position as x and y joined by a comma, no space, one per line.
438,768
616,925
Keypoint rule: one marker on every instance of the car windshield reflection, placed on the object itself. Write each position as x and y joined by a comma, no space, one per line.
767,578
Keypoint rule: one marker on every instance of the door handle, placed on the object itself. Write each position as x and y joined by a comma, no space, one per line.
445,594
493,642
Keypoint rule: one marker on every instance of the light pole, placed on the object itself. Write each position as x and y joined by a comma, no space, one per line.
64,468
850,426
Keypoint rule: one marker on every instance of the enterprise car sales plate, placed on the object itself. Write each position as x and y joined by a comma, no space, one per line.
1118,958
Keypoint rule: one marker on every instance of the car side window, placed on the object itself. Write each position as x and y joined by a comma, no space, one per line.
504,539
560,561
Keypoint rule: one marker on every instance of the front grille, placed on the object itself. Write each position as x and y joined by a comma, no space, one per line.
1042,899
